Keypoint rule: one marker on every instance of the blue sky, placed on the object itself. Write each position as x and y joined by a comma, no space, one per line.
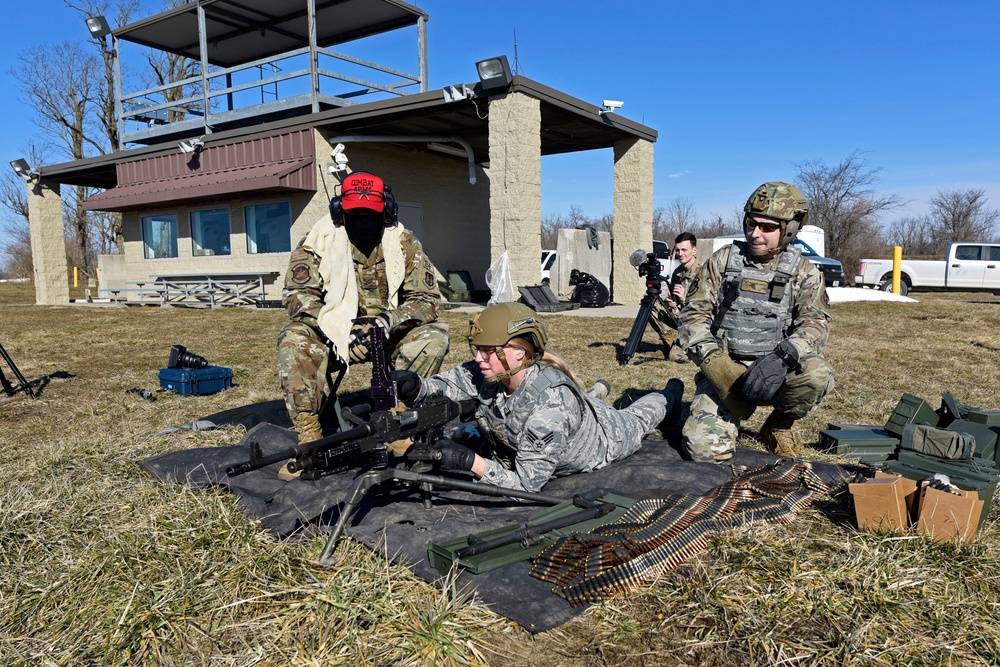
739,92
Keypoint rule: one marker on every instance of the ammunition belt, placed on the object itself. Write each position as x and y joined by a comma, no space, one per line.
657,534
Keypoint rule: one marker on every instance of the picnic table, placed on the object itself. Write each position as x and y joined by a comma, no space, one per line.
243,288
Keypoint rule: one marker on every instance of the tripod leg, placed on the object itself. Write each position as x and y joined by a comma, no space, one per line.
638,328
7,386
351,501
427,483
661,330
20,378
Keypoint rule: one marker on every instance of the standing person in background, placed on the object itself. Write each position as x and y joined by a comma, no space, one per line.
756,322
358,273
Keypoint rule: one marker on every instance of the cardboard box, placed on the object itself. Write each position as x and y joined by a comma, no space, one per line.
947,516
911,497
880,504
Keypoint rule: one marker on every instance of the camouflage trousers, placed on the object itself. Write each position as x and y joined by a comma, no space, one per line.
710,430
304,361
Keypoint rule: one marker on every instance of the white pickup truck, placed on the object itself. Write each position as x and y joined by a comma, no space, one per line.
969,267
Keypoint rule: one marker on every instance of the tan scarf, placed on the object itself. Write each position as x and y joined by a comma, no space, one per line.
329,242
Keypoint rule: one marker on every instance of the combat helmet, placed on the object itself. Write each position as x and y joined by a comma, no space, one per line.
498,324
783,202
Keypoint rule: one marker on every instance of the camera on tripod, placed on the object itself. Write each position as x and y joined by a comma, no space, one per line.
647,265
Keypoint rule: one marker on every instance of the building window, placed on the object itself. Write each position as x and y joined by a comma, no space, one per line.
159,235
269,227
210,232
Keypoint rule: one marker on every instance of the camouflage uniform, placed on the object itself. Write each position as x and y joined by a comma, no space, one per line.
417,341
670,315
547,427
710,431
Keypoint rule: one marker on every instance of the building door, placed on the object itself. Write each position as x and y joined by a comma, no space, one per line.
412,217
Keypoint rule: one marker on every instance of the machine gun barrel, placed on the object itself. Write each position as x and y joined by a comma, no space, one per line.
302,449
383,428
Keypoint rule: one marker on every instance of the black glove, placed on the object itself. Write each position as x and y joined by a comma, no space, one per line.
764,378
407,384
454,456
361,331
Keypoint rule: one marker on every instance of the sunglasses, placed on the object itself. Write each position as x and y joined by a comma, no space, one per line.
765,227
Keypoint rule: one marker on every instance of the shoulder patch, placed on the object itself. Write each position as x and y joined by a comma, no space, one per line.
429,279
826,299
301,274
538,441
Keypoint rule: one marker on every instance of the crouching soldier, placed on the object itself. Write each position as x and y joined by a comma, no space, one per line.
756,325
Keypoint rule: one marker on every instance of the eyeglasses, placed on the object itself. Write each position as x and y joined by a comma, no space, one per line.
765,227
484,350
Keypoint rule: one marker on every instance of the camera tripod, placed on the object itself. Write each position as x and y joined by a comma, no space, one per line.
650,302
22,383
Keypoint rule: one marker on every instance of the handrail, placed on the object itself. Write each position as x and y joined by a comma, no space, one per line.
143,110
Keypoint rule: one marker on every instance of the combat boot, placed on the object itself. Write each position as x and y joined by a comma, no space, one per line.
308,428
600,390
674,393
778,436
677,355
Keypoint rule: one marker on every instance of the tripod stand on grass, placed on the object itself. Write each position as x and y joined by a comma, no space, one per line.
649,304
22,383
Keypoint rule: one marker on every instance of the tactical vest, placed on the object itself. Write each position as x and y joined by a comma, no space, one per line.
506,430
755,309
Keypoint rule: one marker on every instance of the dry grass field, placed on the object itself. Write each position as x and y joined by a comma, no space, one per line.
100,565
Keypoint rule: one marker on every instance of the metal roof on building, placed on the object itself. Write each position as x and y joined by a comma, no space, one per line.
568,125
246,30
280,163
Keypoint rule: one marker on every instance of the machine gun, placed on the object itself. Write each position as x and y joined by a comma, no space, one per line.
367,446
647,265
364,445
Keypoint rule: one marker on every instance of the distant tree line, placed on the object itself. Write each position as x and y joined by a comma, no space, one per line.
844,203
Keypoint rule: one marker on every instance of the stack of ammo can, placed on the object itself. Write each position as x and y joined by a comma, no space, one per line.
970,462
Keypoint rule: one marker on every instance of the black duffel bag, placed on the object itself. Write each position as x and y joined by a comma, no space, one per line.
588,291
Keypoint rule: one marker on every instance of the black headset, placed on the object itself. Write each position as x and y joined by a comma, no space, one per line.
390,214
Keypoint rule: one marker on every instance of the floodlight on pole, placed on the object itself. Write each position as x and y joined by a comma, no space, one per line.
24,170
494,72
98,27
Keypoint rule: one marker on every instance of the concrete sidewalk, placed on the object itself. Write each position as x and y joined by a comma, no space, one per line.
619,311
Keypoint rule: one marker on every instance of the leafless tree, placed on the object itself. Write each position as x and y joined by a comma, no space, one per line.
69,89
843,201
961,215
913,234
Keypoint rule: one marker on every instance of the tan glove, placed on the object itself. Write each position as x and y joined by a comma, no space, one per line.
723,372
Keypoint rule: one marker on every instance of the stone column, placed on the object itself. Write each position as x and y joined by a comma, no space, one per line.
633,213
48,244
515,177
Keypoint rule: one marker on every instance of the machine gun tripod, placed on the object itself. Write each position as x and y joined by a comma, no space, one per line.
21,382
648,266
